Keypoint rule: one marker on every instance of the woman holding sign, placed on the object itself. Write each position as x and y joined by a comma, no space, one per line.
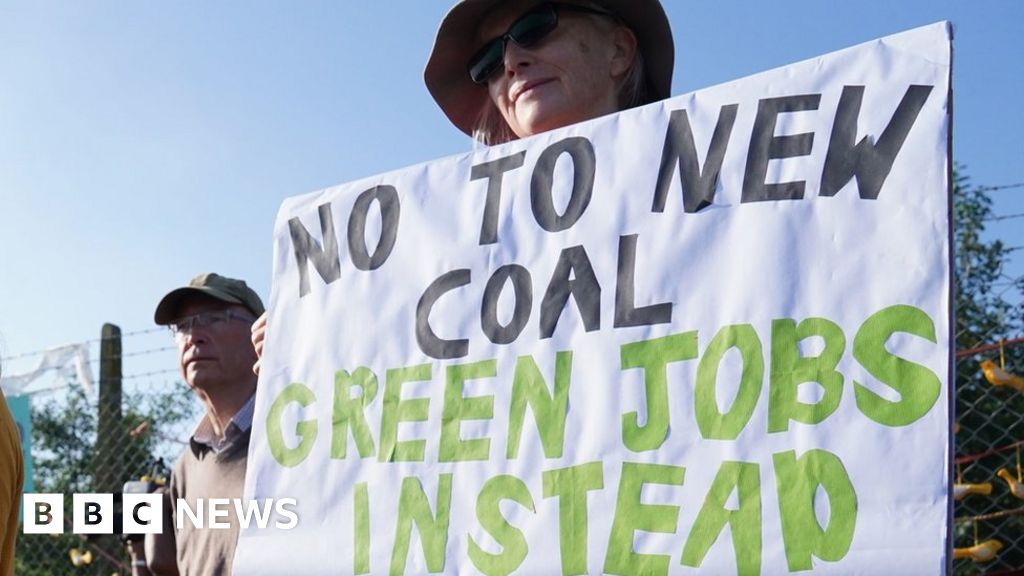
504,70
507,69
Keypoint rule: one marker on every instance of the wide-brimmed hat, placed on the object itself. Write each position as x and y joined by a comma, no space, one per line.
447,77
210,285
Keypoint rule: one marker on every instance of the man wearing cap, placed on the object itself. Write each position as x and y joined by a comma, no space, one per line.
211,320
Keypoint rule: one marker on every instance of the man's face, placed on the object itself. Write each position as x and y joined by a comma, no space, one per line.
216,350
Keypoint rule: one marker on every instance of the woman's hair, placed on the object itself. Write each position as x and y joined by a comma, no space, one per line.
633,91
491,129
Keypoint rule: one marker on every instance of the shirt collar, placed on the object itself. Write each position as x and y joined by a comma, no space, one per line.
204,436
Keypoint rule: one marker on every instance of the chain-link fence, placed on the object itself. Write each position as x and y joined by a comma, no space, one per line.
93,438
79,445
989,510
988,507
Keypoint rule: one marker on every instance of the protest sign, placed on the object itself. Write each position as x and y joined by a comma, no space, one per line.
709,335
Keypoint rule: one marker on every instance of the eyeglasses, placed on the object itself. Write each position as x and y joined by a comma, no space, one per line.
526,31
183,326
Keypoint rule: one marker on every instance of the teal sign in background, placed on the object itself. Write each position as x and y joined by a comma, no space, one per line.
21,410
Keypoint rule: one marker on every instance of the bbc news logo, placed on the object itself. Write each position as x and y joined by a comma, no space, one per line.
144,513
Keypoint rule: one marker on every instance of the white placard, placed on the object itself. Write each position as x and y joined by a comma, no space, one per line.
709,335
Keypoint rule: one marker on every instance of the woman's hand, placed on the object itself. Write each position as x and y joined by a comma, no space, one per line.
259,332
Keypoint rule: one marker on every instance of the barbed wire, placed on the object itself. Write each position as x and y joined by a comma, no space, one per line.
144,352
1007,285
1012,283
1003,217
66,383
96,360
153,373
999,187
123,336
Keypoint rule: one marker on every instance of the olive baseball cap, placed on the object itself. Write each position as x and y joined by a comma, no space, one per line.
211,285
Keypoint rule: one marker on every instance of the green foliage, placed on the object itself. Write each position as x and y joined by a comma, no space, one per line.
987,310
982,311
64,433
64,437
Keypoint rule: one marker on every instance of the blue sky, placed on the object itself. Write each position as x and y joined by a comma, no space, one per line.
144,142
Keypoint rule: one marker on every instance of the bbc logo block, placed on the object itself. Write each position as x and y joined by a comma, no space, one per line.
142,513
93,513
44,514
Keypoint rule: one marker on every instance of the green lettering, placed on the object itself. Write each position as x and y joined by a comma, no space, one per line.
653,355
549,409
797,481
458,408
745,522
711,422
917,386
306,430
361,534
789,370
413,508
348,410
571,485
397,410
510,538
631,515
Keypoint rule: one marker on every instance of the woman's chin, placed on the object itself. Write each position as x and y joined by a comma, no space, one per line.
544,121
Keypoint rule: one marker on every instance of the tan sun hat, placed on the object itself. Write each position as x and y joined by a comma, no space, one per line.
447,76
211,285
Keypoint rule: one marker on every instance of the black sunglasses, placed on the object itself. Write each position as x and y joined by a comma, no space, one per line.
526,31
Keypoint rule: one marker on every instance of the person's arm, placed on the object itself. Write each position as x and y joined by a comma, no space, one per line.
136,551
161,553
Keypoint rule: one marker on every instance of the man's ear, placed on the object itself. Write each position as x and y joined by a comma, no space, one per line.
624,45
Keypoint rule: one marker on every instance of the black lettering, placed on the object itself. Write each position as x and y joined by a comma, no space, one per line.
430,343
523,290
326,259
869,162
583,287
494,171
698,183
92,514
390,209
43,513
584,164
626,312
135,513
766,146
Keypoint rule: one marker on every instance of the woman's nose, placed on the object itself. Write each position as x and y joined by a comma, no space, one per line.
516,57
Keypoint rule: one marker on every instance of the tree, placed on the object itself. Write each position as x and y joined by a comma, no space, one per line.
988,309
64,438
